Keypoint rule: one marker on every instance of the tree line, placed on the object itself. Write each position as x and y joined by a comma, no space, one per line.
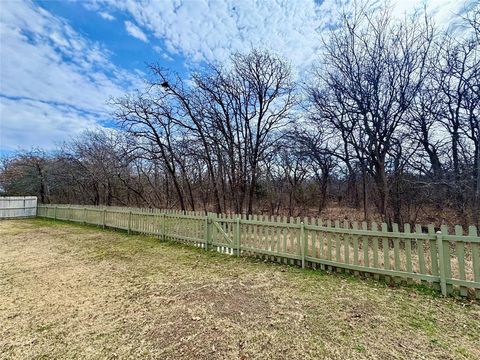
387,122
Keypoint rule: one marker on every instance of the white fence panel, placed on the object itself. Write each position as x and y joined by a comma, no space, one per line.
18,206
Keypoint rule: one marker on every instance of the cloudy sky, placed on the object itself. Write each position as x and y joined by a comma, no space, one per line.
61,61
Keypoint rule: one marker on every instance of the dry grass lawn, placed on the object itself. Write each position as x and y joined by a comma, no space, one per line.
71,292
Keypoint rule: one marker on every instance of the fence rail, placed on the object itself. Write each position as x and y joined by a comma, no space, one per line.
444,259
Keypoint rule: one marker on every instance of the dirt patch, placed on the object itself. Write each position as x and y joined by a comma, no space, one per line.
68,291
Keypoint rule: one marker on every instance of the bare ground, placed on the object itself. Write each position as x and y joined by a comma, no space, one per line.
69,291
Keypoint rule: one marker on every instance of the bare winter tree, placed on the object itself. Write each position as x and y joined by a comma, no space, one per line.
371,73
234,114
314,144
27,173
151,119
457,76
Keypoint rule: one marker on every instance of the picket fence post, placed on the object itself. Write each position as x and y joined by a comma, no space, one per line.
302,243
104,216
129,221
208,230
55,213
237,235
441,263
164,226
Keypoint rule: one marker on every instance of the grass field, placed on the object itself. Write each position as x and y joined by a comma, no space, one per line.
68,291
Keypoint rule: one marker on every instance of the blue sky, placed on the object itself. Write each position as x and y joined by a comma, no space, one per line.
108,27
60,61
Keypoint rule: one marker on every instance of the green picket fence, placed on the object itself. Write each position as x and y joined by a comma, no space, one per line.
447,260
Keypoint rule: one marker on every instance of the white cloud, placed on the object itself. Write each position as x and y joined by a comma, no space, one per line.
212,30
26,123
106,16
162,53
135,31
442,10
46,70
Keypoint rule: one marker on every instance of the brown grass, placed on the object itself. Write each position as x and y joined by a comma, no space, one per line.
69,292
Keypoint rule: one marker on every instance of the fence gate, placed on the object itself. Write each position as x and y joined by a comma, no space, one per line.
223,235
18,206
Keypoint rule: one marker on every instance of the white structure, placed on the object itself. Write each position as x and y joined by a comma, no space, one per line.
18,206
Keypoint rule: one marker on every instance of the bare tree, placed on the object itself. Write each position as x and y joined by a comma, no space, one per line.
373,68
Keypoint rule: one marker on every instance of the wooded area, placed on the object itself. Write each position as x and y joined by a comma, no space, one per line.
387,123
